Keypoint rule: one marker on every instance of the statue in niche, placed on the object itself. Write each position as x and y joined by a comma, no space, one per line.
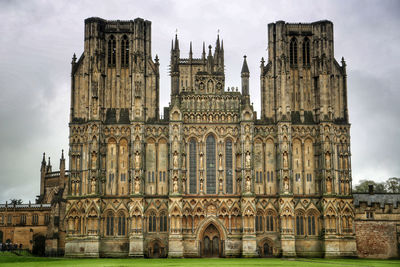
94,160
220,161
286,184
183,161
201,184
248,184
201,161
220,185
329,185
93,186
137,185
184,184
175,160
248,159
137,160
175,185
328,160
285,160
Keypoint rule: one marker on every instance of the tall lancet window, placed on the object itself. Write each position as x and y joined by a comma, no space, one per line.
192,167
306,52
210,165
229,166
111,51
124,52
293,52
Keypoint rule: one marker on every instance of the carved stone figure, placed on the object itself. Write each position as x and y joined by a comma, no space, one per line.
175,185
328,160
286,185
137,160
248,184
175,160
248,159
93,186
137,186
285,160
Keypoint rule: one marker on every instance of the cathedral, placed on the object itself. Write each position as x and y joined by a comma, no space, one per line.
209,178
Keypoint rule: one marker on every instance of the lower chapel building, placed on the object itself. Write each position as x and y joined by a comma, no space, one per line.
209,178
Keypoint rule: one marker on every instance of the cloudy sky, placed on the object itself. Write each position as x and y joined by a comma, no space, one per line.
38,39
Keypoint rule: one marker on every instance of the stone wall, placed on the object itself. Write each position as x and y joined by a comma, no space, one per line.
377,239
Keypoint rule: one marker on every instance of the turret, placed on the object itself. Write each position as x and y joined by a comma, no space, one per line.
174,66
42,174
62,170
245,74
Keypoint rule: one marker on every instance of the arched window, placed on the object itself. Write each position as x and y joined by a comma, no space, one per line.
259,223
211,168
300,224
229,166
124,52
293,52
152,222
121,224
110,224
111,51
311,225
270,222
192,167
306,52
163,222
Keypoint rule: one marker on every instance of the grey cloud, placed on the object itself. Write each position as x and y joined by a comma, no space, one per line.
39,38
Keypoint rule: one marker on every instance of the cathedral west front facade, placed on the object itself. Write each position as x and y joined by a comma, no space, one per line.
210,178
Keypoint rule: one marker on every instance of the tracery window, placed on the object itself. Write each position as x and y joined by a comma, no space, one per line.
293,52
270,222
163,222
229,166
110,224
23,219
192,167
300,224
259,223
306,52
111,51
152,222
311,225
124,52
210,165
121,224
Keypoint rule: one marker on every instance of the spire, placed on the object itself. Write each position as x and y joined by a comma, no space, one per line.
73,59
62,153
245,68
262,62
44,159
49,162
204,51
209,51
245,78
176,42
222,46
190,51
172,44
217,44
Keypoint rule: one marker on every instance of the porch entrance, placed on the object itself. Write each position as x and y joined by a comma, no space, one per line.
211,245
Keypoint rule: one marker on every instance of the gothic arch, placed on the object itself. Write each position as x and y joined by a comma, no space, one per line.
207,222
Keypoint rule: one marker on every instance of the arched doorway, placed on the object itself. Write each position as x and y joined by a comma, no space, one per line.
156,250
211,245
266,249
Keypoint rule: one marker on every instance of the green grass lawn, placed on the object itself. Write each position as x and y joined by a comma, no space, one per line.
9,259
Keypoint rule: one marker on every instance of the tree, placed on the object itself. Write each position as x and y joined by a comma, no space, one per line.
393,185
15,201
362,187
